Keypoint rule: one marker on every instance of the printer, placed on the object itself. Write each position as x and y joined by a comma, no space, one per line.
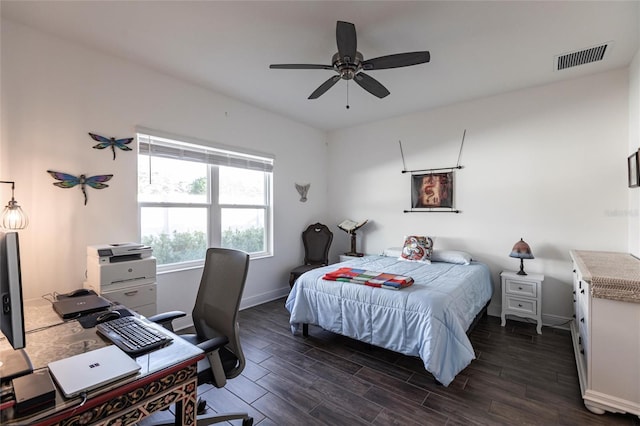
119,252
119,265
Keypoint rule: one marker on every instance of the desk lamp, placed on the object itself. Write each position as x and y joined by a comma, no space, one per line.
12,216
521,250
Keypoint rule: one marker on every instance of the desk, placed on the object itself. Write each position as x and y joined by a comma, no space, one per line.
168,375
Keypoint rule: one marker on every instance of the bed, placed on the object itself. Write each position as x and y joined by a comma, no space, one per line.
428,319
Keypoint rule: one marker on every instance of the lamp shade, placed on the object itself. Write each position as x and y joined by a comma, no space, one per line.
521,250
13,217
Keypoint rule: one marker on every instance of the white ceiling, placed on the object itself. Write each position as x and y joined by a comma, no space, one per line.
478,48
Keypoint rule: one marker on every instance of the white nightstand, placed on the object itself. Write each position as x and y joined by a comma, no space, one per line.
522,296
346,257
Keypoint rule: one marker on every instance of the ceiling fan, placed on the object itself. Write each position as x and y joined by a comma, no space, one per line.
349,63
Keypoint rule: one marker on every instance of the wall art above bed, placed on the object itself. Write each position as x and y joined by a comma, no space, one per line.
432,190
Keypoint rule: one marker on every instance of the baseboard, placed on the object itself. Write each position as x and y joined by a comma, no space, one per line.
556,321
248,302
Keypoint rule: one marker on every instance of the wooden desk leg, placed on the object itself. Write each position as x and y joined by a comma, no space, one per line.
186,407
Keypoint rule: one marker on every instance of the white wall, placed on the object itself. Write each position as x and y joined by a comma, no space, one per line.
54,92
547,164
634,145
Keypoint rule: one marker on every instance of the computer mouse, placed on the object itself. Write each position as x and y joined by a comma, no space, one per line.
79,292
107,316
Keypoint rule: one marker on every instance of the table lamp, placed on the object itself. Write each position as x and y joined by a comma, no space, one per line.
521,250
12,216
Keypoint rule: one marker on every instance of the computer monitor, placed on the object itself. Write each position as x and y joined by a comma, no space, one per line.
13,362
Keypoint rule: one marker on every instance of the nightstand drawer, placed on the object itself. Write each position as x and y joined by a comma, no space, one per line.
521,288
522,305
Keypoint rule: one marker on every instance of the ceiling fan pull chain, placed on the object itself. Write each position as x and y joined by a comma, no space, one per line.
347,94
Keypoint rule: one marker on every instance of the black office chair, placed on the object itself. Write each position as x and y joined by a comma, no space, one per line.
215,320
317,240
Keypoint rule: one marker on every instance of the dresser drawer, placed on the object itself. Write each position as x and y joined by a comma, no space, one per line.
521,288
522,305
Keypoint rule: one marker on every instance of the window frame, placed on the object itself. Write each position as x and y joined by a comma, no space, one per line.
213,207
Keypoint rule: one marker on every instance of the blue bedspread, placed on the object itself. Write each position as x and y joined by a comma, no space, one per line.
428,319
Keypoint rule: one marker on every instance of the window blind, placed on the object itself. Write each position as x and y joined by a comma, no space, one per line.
156,146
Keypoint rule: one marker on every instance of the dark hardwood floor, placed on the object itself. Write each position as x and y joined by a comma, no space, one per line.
518,378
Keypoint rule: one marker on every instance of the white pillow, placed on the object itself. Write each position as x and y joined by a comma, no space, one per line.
392,252
451,256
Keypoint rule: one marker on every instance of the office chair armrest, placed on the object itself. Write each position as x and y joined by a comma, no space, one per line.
211,345
166,318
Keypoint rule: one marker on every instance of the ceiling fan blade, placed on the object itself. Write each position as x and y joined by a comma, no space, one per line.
300,67
371,85
396,61
346,40
324,87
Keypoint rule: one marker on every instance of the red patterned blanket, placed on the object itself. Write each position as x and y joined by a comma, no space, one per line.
370,278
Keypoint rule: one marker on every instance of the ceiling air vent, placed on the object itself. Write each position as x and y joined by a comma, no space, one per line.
581,57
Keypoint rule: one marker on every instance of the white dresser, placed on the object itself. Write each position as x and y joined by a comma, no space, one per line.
606,330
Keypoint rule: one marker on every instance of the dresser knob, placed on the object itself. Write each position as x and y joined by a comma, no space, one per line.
581,319
582,351
582,291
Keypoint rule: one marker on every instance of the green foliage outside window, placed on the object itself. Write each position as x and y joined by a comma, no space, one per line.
177,247
186,246
250,240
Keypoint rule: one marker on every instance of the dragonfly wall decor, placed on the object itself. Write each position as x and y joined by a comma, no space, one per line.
111,142
69,181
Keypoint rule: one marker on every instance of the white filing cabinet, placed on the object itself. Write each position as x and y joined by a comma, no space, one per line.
131,283
522,296
140,298
606,330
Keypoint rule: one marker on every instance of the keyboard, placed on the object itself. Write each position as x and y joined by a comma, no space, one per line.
133,335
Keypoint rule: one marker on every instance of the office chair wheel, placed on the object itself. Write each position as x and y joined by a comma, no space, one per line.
248,421
201,406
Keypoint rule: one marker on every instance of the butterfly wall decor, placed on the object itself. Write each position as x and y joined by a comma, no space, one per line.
69,181
111,142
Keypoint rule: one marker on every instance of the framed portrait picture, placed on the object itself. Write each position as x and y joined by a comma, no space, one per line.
432,190
632,169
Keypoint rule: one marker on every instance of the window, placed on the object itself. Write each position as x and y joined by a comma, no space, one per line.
192,196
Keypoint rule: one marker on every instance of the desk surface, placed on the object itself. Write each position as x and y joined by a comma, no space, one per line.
49,338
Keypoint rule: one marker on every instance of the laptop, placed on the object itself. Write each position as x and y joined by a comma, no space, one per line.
90,370
73,307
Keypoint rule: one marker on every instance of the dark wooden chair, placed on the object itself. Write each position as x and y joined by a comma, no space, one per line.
317,240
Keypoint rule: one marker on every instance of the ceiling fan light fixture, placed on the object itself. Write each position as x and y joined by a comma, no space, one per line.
348,63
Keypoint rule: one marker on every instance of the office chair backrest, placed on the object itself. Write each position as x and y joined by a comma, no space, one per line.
317,241
218,299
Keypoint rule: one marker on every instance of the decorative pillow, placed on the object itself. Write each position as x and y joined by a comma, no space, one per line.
451,256
417,249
